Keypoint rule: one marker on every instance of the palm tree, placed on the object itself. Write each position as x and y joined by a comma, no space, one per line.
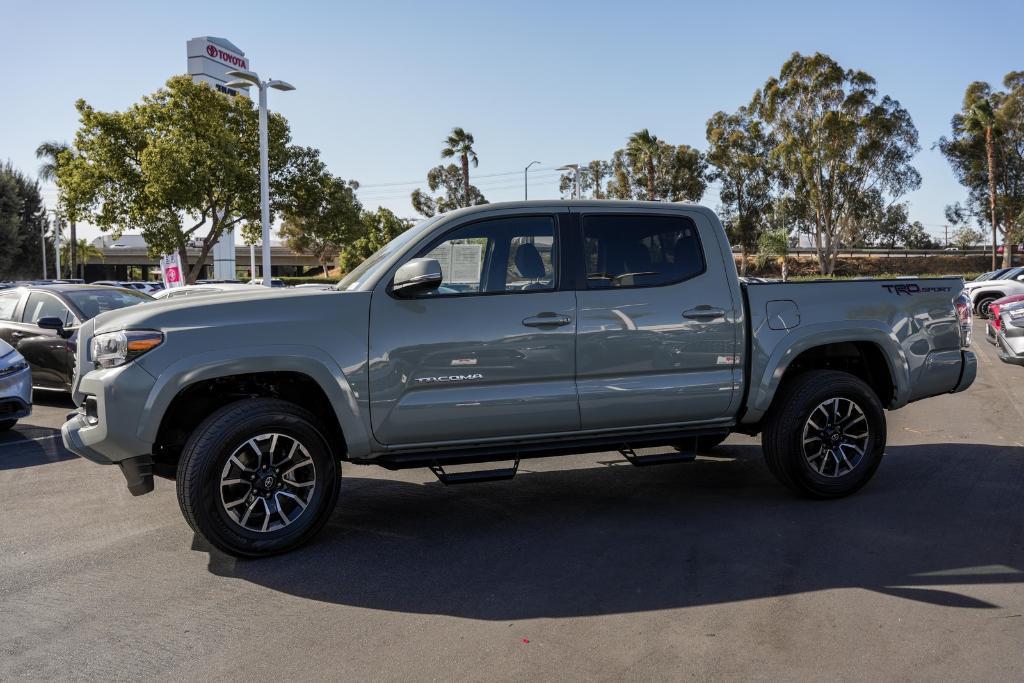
981,119
86,250
55,153
773,245
643,148
460,144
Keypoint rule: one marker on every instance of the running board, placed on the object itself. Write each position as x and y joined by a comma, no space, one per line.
475,477
669,458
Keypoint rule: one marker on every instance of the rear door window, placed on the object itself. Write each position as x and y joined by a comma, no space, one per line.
624,250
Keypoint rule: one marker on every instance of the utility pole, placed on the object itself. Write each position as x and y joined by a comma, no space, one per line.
947,234
42,234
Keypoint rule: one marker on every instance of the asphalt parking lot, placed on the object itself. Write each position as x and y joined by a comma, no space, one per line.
581,567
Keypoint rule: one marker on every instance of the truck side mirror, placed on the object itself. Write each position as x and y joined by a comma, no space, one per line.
53,323
418,276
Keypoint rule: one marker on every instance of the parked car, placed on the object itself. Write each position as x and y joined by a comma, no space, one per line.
991,274
42,322
147,287
1010,333
15,387
274,282
994,321
202,290
1004,283
501,332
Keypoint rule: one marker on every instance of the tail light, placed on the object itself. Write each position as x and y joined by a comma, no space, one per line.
965,317
993,311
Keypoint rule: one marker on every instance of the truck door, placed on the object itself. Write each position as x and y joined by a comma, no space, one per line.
658,330
491,353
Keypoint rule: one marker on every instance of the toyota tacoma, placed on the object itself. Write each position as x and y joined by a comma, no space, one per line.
503,332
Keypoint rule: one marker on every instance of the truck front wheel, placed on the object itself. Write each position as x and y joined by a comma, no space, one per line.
825,434
257,478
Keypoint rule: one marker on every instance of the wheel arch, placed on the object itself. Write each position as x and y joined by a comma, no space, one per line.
191,388
873,355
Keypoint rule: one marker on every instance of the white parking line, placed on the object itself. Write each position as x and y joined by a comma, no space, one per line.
21,442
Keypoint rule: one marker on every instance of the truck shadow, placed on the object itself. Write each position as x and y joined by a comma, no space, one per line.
596,541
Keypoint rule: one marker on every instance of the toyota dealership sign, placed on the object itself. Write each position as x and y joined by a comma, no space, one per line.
210,59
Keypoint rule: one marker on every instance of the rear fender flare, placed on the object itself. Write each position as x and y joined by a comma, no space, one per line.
766,381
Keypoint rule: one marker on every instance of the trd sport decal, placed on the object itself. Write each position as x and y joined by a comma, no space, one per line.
912,288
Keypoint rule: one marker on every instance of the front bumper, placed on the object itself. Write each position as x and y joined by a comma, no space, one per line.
16,395
112,405
1010,340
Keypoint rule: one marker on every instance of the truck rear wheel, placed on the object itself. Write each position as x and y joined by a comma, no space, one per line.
825,434
257,478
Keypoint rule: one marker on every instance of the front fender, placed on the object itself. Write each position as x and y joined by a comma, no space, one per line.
308,360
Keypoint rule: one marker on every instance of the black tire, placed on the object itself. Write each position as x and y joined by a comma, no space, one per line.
983,303
783,437
204,460
7,424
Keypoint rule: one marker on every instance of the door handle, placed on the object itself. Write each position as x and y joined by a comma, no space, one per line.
547,320
704,312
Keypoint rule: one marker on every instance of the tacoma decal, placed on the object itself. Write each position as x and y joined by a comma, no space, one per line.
450,378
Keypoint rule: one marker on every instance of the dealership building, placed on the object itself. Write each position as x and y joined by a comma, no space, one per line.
127,258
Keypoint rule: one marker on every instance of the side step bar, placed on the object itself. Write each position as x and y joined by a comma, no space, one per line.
686,451
476,477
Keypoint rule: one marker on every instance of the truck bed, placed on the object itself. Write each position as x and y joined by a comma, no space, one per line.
913,322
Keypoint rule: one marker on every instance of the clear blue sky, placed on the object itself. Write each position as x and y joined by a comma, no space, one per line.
380,84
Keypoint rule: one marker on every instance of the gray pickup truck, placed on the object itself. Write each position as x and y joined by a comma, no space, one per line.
503,332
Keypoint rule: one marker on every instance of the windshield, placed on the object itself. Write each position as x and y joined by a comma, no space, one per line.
92,302
369,268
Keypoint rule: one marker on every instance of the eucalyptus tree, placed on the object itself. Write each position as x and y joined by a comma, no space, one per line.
835,140
652,169
739,149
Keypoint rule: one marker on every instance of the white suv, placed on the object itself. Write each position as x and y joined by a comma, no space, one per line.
984,292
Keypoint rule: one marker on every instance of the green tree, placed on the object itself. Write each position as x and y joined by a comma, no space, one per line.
836,140
449,180
642,149
966,237
739,154
24,226
322,218
652,169
54,154
986,153
459,144
592,180
10,224
86,250
773,247
181,165
378,228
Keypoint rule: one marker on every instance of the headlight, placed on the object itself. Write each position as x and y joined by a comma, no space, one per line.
112,349
15,366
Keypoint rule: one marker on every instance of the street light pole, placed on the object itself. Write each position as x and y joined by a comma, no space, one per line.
575,168
264,185
526,192
246,79
42,234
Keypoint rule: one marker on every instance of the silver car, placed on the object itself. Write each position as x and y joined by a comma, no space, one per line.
15,386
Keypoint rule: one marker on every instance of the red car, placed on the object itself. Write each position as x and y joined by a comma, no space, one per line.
993,314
